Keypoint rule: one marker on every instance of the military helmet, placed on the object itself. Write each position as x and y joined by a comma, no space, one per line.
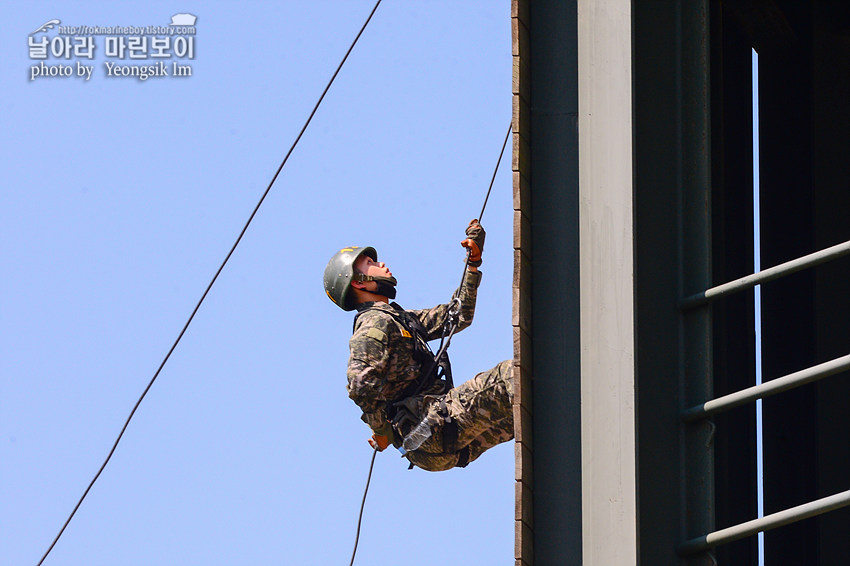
340,271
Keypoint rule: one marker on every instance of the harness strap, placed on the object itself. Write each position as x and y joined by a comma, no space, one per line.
433,369
463,457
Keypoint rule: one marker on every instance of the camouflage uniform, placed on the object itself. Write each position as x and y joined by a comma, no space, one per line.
383,365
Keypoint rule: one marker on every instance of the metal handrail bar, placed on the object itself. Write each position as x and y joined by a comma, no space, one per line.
766,523
767,389
766,275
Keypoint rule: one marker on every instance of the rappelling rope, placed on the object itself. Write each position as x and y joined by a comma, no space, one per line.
454,309
363,504
495,171
449,327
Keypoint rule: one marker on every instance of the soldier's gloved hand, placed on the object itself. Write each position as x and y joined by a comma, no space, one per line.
379,442
474,242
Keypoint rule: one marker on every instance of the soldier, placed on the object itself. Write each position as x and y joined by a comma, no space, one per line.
407,397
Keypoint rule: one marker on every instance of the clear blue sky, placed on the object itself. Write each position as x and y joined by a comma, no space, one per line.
120,199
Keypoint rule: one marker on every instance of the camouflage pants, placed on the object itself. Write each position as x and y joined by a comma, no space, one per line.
482,409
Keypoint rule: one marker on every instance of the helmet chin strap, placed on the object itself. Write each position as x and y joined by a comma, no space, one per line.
386,288
385,285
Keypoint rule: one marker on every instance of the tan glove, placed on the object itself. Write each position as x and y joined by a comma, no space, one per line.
379,442
474,242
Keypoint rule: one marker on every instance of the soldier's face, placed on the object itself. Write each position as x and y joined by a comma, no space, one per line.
367,266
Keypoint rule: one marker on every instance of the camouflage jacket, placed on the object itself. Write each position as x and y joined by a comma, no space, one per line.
382,363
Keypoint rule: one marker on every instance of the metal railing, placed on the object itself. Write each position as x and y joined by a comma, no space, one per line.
765,523
767,389
766,275
763,390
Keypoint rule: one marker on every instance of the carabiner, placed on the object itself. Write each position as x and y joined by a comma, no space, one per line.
454,307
